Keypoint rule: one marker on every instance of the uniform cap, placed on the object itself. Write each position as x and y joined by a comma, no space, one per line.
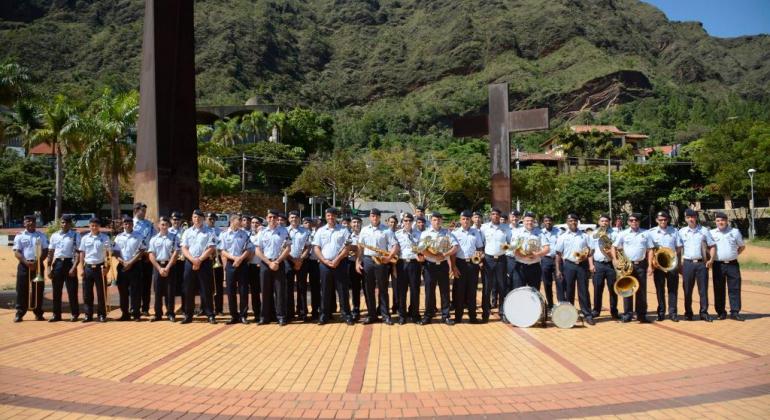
690,213
375,212
466,213
720,215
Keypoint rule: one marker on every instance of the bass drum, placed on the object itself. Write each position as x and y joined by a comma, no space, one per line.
564,315
524,307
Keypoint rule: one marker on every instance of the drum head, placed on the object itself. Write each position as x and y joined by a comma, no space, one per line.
564,315
524,307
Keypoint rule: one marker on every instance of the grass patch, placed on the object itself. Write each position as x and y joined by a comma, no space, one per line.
762,242
755,265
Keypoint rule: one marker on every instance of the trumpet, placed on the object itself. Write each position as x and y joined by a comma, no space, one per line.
476,258
382,257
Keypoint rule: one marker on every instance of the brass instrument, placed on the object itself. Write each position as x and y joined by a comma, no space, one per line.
513,246
605,242
382,257
476,258
38,254
625,284
581,255
109,266
421,246
217,260
665,259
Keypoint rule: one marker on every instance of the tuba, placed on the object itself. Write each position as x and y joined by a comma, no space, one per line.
626,284
665,259
605,241
382,257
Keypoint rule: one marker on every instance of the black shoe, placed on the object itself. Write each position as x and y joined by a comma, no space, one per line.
350,321
321,321
55,319
212,320
186,320
595,314
88,319
425,321
590,320
155,319
626,318
644,320
282,322
674,317
707,317
172,318
614,315
244,321
39,318
449,321
367,320
401,321
262,321
474,321
722,316
661,317
122,318
388,321
232,321
484,319
74,319
737,317
138,319
102,318
17,318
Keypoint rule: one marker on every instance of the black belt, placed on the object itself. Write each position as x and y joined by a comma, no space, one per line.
547,256
529,264
94,265
638,262
603,262
694,260
575,263
162,263
494,257
63,259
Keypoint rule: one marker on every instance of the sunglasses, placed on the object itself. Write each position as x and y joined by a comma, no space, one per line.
633,220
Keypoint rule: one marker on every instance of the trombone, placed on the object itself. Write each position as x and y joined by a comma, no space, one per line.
38,276
105,289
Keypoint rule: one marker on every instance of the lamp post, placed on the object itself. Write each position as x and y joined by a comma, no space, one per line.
752,231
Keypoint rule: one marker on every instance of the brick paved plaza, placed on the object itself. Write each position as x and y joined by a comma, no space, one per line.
165,370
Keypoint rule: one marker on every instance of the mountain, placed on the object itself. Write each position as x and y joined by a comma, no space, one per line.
423,61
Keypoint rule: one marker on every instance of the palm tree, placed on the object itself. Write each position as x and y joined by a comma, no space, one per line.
21,121
277,121
255,124
108,148
227,132
13,80
58,121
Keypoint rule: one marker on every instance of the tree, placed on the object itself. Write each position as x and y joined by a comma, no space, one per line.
25,183
57,131
592,145
227,132
343,174
308,129
254,126
107,145
13,82
22,120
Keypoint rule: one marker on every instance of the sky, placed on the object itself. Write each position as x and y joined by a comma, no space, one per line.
720,18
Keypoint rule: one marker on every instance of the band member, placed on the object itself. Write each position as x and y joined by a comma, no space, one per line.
198,246
512,280
496,234
177,271
528,271
729,244
272,248
376,240
419,224
164,252
665,236
572,252
146,230
637,245
698,256
313,274
94,247
129,249
63,261
470,245
393,271
296,269
218,272
356,279
330,248
235,249
29,293
600,263
548,264
253,270
408,271
436,268
419,212
246,223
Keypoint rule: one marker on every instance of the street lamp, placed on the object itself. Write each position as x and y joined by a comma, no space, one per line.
752,232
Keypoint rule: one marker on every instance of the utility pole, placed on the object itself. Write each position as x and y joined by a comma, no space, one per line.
243,173
609,188
518,203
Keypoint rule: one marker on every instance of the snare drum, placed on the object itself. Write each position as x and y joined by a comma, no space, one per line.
524,307
564,315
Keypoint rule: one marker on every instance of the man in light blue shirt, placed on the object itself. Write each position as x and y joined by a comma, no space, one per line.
218,273
129,249
471,244
29,293
572,252
600,263
533,247
548,263
236,249
253,275
408,271
178,226
637,245
376,236
146,230
273,247
163,250
198,246
496,234
94,247
665,236
697,257
296,269
436,268
355,278
726,270
63,260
